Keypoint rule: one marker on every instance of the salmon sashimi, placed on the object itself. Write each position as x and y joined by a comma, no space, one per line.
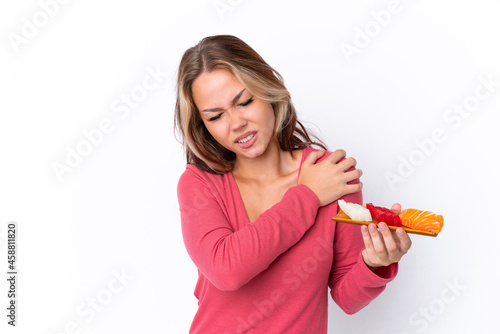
421,220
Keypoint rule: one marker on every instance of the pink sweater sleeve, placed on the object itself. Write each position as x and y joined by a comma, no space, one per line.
228,258
353,285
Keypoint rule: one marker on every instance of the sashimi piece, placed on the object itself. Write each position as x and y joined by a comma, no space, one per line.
421,220
384,215
355,211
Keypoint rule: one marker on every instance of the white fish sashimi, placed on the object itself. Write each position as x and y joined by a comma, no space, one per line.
355,211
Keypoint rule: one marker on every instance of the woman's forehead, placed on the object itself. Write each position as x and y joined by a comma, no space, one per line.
215,89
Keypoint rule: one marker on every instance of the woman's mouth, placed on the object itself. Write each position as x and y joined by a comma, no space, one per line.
247,141
247,138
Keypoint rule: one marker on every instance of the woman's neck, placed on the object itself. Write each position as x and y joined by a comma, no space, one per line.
267,168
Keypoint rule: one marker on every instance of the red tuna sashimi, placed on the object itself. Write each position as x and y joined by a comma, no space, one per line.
384,215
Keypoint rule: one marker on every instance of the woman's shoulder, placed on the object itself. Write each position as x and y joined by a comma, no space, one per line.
191,169
309,150
196,177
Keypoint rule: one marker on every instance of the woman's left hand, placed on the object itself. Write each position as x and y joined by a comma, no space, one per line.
383,246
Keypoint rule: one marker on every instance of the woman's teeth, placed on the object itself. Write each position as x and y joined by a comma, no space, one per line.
244,140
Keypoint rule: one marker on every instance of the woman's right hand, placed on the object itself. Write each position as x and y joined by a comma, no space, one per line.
329,178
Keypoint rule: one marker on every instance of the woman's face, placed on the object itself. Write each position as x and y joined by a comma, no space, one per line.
239,121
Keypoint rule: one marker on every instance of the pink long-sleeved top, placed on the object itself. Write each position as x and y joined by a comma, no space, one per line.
271,275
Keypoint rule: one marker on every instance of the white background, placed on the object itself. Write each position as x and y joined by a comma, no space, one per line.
117,210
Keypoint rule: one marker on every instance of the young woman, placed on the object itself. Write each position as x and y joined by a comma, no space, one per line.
256,202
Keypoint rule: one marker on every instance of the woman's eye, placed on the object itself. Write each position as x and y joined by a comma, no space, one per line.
247,102
214,118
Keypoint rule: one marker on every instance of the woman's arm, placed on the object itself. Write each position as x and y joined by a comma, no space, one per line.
228,258
353,284
382,246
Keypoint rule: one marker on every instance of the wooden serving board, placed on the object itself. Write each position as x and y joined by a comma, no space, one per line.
343,218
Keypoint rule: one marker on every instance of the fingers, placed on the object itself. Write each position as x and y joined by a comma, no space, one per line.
337,155
348,186
391,252
347,165
334,157
313,156
374,254
367,238
338,158
382,246
353,175
353,188
404,240
330,179
396,207
379,245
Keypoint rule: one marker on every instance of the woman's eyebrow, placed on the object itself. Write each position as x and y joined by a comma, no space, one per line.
235,99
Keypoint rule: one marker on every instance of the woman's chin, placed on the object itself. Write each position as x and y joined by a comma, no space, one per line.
252,153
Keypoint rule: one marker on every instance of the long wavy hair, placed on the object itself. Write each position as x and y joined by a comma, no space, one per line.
232,54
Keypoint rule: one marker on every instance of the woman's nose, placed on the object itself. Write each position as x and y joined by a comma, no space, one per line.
237,119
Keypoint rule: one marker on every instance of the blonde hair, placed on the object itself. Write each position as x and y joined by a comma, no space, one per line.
232,54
